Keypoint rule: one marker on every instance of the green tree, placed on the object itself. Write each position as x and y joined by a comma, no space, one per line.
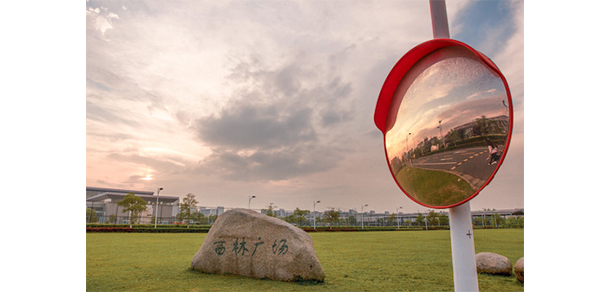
212,218
420,219
477,221
496,220
444,219
135,205
91,216
331,216
300,216
352,220
112,218
186,208
290,219
198,218
153,218
514,222
432,218
270,210
391,218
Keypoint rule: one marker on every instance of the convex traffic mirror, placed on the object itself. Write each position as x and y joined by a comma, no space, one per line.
446,114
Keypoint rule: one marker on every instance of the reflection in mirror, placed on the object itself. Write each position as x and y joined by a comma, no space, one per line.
451,127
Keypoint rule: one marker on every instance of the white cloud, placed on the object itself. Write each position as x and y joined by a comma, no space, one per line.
101,22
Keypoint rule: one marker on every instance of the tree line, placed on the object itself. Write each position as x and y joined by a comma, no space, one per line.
135,205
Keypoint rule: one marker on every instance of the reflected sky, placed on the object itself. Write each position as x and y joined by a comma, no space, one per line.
450,85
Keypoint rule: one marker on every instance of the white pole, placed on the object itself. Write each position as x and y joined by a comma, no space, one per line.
398,217
426,218
314,215
440,24
250,200
157,207
460,221
362,211
462,249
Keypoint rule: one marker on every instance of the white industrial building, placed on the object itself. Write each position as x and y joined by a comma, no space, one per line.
104,202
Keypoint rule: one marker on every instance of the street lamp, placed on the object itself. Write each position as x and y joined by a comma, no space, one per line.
426,219
440,128
362,211
314,214
398,217
157,207
412,154
249,200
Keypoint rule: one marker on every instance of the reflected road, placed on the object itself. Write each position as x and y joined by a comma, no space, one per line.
469,163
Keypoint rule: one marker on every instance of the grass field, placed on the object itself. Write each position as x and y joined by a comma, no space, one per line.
433,187
352,261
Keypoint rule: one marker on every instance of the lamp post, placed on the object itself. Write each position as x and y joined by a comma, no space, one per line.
314,214
411,155
440,128
362,211
426,219
398,217
157,207
250,200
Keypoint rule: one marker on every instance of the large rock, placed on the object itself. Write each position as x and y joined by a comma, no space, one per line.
493,263
518,269
248,243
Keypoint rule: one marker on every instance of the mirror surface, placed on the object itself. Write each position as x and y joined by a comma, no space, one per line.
451,127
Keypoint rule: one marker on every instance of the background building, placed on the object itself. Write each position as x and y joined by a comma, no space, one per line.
104,202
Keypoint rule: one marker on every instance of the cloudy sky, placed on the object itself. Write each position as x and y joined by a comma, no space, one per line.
227,99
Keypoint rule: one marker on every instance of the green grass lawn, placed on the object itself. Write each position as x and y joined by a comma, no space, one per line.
433,187
352,261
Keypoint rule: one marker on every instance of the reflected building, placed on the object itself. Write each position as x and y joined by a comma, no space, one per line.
495,125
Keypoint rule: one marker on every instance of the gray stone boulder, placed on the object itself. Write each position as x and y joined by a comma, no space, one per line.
518,269
493,263
248,243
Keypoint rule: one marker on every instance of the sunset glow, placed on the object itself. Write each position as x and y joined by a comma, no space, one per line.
226,99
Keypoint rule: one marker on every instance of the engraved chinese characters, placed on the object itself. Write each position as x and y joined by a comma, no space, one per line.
448,127
247,243
239,248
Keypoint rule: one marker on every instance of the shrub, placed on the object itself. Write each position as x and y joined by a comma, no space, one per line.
147,229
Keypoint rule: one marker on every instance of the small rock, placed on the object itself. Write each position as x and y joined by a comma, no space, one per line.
518,269
493,263
248,243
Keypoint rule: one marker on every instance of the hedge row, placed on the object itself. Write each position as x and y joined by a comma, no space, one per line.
147,230
173,226
326,229
109,229
205,229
